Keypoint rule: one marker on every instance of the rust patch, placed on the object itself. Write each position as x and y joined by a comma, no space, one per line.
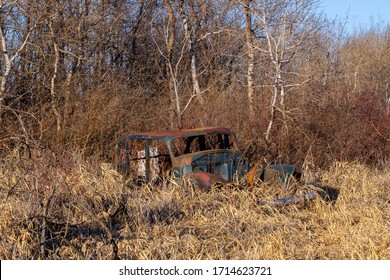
169,134
206,180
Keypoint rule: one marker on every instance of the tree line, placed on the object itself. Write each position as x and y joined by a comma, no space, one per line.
79,74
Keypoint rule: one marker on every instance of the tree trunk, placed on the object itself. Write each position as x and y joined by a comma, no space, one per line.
76,64
272,111
8,59
191,41
251,58
53,96
5,72
174,111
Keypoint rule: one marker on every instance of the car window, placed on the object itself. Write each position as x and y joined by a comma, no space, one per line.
178,146
132,157
197,143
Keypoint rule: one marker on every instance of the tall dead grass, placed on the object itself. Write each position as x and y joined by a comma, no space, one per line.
81,210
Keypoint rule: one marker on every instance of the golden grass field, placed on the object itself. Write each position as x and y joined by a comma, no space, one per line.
81,210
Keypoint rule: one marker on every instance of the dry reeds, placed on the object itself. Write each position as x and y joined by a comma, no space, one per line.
86,211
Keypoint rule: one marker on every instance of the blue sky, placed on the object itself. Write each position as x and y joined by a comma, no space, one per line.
360,12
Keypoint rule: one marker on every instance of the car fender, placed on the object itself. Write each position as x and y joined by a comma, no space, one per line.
282,172
205,180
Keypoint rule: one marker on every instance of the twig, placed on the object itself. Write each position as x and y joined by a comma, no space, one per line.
106,229
44,225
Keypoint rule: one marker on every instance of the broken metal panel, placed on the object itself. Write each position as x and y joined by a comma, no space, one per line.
141,158
147,165
283,171
295,199
273,172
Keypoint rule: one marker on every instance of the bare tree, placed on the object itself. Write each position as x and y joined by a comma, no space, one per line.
190,35
76,56
13,39
180,102
285,25
56,54
191,41
250,56
173,86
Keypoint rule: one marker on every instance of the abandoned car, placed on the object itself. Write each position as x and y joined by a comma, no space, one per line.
206,156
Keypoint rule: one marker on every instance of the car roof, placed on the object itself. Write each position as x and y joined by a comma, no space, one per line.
171,134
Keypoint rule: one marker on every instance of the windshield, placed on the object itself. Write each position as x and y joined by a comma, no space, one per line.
207,142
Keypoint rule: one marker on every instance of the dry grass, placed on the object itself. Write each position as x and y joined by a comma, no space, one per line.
79,210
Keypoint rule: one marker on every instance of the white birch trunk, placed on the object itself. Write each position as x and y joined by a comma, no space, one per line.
251,58
53,95
4,72
194,72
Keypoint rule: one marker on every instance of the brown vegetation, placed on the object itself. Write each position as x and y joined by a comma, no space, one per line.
83,211
76,77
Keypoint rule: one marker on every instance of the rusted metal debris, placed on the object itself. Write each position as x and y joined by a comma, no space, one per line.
204,155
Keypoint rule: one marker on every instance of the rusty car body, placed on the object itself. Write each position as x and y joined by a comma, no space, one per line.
205,155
